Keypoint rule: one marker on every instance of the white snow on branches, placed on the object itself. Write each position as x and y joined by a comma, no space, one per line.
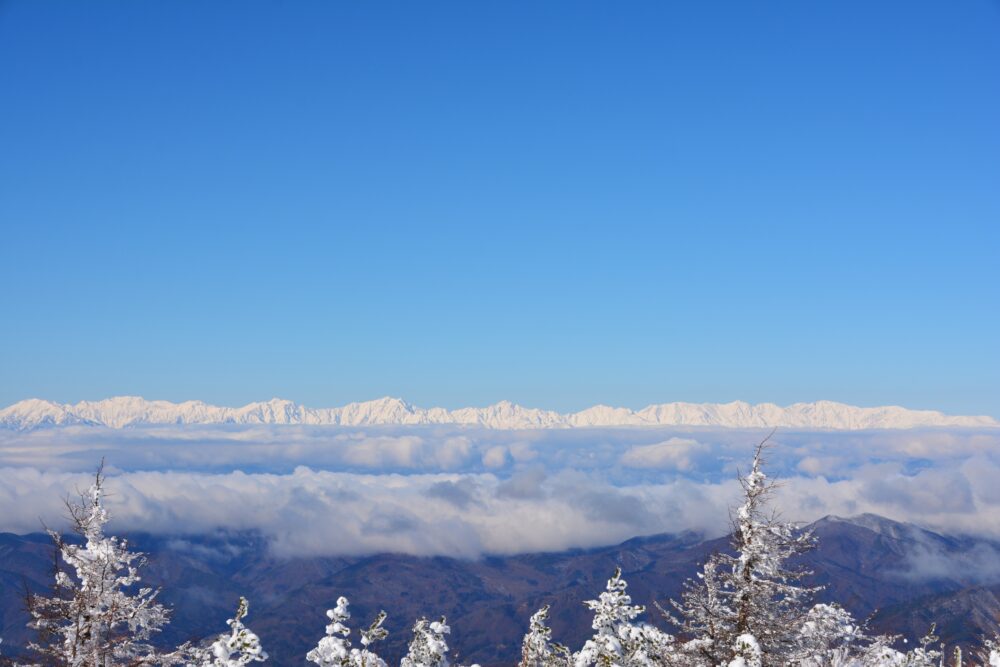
237,649
335,648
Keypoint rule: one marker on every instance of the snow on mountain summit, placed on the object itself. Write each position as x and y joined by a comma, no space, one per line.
128,411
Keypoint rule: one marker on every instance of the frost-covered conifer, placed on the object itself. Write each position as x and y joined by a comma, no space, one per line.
753,592
830,637
617,640
827,637
538,649
988,653
334,650
95,616
991,652
925,655
240,647
428,648
746,652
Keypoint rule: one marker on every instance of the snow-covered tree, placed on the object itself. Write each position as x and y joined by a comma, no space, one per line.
617,640
753,591
925,655
428,648
96,615
830,637
990,652
334,650
538,649
746,652
240,647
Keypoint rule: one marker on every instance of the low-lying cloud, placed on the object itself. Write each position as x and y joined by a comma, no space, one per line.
314,512
675,453
465,492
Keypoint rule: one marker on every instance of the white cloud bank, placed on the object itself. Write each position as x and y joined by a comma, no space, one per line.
464,492
320,512
675,453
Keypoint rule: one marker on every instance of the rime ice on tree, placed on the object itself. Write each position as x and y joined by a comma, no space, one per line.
428,648
538,649
334,650
617,640
753,593
95,617
237,649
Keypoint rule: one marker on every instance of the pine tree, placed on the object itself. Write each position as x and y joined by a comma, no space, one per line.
990,652
237,649
334,650
831,636
746,652
753,592
619,641
924,655
428,648
538,649
95,617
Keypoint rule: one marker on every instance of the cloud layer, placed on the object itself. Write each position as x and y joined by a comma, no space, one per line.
464,492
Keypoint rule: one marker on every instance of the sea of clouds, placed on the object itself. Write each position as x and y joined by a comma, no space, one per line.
463,491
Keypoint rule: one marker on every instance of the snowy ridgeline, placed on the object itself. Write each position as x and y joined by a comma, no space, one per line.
126,411
747,608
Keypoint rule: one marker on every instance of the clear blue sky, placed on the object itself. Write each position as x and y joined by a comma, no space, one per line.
557,203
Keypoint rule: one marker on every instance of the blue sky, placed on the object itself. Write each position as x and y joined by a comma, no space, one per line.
554,203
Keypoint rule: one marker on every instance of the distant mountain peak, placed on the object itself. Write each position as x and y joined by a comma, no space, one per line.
874,522
880,525
130,411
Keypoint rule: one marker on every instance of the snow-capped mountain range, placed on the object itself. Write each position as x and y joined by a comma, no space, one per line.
129,411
